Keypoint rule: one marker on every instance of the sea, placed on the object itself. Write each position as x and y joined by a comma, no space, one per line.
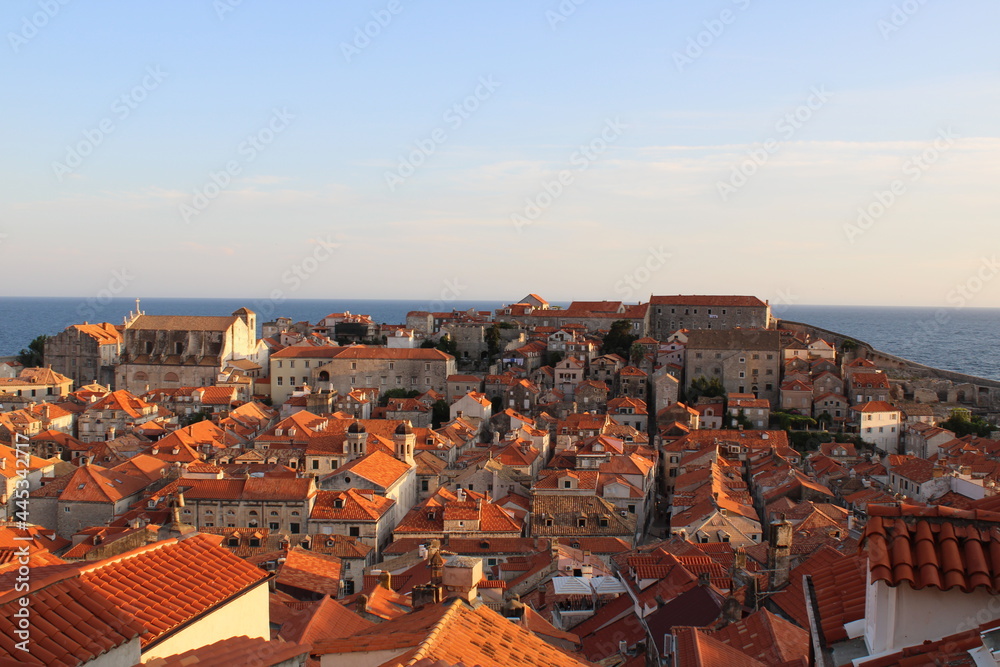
956,339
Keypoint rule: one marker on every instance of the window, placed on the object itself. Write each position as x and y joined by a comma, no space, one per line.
424,485
315,464
392,365
427,367
567,484
273,525
743,374
581,523
354,365
291,381
354,531
307,363
280,381
291,364
604,523
280,364
743,360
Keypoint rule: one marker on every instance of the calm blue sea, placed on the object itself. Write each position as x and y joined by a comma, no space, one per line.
962,340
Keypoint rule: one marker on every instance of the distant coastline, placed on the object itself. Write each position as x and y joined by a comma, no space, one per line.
957,341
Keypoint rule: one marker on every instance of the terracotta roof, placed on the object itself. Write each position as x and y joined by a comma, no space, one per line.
309,571
934,546
122,401
839,583
234,651
325,619
454,633
307,352
168,583
708,300
362,352
766,637
354,505
693,648
377,467
72,624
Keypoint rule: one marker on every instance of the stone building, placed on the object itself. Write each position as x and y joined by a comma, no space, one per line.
177,351
293,367
85,353
745,360
385,368
670,313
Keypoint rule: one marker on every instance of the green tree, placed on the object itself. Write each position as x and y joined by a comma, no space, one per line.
397,393
849,345
961,424
194,418
619,339
34,355
553,358
493,341
440,412
702,386
447,345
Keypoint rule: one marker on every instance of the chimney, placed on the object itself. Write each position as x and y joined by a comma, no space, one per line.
361,604
741,558
423,595
703,579
780,552
461,579
732,611
385,580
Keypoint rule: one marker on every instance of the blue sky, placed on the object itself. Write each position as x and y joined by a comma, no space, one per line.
813,153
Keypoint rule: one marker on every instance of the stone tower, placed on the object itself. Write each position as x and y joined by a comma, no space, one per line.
405,443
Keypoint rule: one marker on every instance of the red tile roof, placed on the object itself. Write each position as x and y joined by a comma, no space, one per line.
839,583
696,649
708,300
72,623
454,633
766,637
169,583
310,571
241,650
934,546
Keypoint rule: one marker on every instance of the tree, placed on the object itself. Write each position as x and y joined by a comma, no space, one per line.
554,357
34,355
702,386
493,341
637,353
961,424
619,340
740,419
397,393
849,345
440,412
447,345
194,418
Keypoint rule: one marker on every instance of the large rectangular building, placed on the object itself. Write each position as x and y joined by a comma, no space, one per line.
747,361
385,368
667,314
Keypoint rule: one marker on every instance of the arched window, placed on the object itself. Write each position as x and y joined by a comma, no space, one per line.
171,377
140,376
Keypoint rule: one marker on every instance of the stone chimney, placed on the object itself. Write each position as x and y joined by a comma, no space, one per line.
703,579
385,580
462,575
780,553
423,595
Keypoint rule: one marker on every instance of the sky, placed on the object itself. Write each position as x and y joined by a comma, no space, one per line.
805,153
